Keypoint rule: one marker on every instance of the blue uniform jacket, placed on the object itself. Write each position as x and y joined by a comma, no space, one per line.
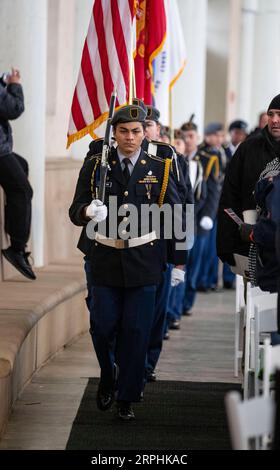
11,107
211,190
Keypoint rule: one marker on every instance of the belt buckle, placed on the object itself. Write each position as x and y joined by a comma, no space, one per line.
118,244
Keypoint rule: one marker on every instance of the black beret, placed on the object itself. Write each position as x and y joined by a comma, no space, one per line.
189,126
138,102
95,146
153,113
275,103
129,113
238,124
213,128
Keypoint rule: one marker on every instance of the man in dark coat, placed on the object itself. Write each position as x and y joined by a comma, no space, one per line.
125,270
13,177
243,172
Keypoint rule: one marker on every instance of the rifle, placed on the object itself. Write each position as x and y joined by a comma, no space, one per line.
106,149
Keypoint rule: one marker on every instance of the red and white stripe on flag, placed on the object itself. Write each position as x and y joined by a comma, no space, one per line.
106,62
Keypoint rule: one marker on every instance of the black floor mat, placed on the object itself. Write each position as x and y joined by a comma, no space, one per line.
173,416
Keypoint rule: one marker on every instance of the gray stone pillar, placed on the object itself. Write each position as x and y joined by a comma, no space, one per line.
23,39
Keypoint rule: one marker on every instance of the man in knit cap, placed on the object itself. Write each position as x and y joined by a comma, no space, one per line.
245,168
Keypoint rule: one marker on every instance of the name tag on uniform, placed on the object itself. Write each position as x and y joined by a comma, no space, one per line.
148,180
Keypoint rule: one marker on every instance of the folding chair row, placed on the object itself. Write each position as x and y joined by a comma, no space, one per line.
250,422
271,364
265,321
252,298
238,327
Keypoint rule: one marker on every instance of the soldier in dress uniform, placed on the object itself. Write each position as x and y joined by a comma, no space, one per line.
181,177
125,271
209,150
204,176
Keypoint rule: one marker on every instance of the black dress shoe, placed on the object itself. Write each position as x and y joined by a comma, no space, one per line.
174,325
202,289
104,398
19,259
151,376
228,285
166,336
125,411
187,313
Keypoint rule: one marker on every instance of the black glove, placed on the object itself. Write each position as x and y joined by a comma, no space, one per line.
246,232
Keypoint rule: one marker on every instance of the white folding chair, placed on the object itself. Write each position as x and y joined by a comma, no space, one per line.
250,420
271,363
239,313
253,293
265,321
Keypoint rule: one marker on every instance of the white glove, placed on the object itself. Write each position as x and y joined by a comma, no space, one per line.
97,211
206,223
177,276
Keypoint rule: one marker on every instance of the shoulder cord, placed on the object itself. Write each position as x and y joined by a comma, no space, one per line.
167,165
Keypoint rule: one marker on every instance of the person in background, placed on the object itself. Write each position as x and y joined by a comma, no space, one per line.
14,177
159,330
263,235
244,170
204,172
263,119
179,142
208,276
165,134
238,131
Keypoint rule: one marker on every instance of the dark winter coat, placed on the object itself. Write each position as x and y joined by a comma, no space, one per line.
242,175
11,107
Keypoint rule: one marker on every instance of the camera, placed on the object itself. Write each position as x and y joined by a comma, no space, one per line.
4,78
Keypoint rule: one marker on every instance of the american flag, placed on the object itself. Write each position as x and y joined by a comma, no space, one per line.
106,64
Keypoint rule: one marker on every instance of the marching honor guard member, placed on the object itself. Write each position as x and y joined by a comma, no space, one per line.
183,185
125,269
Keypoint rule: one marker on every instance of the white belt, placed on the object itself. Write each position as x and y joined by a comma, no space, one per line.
130,243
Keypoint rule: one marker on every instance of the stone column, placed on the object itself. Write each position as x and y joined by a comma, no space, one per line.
233,60
265,82
61,35
246,54
189,91
23,39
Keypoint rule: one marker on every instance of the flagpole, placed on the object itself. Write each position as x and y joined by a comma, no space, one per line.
171,117
132,79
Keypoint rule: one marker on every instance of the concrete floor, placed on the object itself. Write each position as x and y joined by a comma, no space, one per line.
202,350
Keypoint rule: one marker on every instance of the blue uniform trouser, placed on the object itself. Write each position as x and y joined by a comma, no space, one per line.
210,263
175,303
193,270
157,332
121,321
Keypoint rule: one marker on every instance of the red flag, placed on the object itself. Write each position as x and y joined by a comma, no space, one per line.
150,37
105,65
